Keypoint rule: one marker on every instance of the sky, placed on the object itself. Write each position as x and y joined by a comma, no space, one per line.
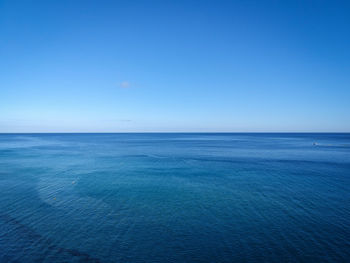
174,66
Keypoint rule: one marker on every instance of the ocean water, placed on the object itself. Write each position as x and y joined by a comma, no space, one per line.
175,197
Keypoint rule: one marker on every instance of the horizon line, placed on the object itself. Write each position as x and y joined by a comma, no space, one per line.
175,132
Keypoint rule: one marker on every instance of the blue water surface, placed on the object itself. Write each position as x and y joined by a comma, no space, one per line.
175,197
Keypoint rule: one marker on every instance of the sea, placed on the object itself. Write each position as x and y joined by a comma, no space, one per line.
175,197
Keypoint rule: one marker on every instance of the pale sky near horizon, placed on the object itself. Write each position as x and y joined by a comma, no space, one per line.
162,66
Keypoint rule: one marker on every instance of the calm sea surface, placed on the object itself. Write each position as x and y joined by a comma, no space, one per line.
174,197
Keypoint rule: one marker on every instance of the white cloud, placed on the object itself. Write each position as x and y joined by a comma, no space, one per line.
125,85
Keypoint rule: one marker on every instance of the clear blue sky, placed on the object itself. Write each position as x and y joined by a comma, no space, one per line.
116,66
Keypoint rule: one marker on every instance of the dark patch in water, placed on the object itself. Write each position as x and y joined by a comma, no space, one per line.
49,244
